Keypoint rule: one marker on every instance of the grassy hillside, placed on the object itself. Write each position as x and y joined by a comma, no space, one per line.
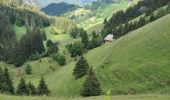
105,11
136,63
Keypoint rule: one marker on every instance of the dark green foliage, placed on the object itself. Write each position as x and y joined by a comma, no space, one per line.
49,43
31,89
81,68
91,85
84,39
60,59
22,88
6,31
105,21
1,53
17,57
76,49
74,33
2,80
21,16
95,41
168,8
32,43
53,49
59,8
43,35
8,85
119,24
28,69
43,88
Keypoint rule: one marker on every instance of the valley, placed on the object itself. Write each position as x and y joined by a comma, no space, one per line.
134,66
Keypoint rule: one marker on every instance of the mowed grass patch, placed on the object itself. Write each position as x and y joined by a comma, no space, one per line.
20,31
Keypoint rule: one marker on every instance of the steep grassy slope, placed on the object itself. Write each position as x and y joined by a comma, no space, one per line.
136,63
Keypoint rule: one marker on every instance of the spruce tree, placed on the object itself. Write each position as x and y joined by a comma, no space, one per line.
43,88
17,57
91,85
22,88
1,80
8,86
81,68
31,89
85,39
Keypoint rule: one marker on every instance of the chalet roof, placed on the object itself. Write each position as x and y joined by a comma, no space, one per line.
109,37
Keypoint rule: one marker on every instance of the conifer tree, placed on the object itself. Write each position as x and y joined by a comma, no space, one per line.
43,88
17,57
31,89
22,88
1,80
81,68
91,85
8,86
85,39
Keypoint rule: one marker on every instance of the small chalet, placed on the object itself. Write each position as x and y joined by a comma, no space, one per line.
109,38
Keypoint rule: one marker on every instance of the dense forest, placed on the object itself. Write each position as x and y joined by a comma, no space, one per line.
14,51
23,14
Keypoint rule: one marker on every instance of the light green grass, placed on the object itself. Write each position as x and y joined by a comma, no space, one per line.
138,62
106,11
20,31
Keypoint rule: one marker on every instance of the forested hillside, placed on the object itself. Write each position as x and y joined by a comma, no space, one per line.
58,9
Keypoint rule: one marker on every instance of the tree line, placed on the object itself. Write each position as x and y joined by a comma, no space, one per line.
31,44
6,86
118,22
87,41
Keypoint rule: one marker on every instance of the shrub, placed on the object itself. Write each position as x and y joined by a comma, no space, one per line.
60,59
28,69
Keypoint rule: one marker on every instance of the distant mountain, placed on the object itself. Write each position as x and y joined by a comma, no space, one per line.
57,9
43,3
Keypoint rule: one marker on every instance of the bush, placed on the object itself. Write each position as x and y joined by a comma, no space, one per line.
75,49
53,49
28,69
49,43
60,59
35,56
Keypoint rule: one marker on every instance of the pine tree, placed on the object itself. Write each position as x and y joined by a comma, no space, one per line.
22,88
17,57
8,86
31,89
91,85
81,68
85,39
105,21
1,80
43,88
